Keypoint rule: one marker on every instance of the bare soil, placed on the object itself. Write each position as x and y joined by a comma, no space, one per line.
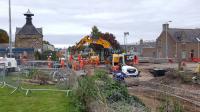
152,99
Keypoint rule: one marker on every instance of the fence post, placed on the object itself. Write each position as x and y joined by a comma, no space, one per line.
3,75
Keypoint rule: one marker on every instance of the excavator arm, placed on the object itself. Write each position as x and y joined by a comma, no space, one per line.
84,40
104,43
89,40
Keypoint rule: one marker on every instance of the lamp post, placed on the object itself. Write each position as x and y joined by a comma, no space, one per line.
10,29
125,34
198,46
166,50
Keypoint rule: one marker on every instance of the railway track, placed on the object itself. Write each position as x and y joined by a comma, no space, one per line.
184,93
190,96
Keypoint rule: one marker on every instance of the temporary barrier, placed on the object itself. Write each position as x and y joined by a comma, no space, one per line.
2,73
40,77
37,76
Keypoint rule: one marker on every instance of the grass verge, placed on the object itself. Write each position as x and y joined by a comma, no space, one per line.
37,101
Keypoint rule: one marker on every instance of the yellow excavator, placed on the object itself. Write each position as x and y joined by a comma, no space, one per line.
89,40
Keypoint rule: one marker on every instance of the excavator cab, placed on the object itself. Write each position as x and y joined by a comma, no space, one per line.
119,65
101,54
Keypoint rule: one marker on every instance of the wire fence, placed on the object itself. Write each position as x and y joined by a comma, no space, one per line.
2,72
38,76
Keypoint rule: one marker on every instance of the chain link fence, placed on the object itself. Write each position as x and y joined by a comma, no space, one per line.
38,76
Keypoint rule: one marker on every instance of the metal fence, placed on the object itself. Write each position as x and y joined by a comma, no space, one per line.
38,76
7,80
2,72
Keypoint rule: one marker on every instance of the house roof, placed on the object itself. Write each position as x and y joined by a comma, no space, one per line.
184,35
28,30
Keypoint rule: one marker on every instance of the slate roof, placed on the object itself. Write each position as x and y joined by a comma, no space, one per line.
28,30
184,35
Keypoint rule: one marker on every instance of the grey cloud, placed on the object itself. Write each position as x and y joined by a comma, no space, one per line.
142,18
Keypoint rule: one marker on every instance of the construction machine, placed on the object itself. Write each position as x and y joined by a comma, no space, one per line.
89,40
119,65
10,64
92,55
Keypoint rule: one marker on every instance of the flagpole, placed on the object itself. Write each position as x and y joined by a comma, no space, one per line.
10,31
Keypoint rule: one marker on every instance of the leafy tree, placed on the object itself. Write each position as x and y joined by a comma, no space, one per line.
46,42
111,39
95,32
3,36
37,55
45,55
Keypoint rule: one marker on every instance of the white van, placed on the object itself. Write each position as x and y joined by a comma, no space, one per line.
10,64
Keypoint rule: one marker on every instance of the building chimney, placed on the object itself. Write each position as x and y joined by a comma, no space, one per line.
165,26
28,15
141,41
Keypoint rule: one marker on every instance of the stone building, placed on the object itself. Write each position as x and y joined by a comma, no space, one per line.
29,36
142,49
149,52
47,46
180,43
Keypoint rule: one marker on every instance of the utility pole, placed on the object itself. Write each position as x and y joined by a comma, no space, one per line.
125,34
198,46
10,31
166,50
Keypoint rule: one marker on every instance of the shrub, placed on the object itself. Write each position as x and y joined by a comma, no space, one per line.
170,105
103,89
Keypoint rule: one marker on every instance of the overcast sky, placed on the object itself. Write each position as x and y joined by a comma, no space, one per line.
66,21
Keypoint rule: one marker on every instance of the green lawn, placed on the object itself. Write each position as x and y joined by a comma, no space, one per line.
36,101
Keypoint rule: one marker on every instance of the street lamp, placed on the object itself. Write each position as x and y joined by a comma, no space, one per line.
198,46
125,34
10,30
166,50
